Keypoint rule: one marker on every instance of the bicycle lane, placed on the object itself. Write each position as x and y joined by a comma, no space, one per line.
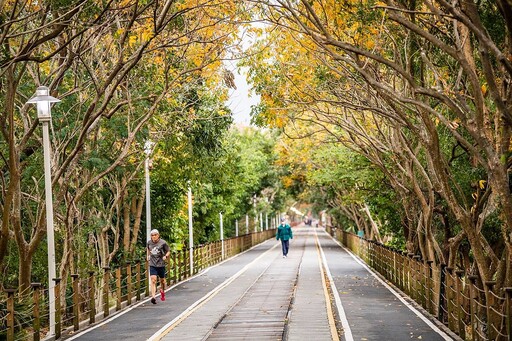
374,311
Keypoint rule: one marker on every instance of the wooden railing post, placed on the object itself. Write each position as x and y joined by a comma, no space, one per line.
442,293
76,302
169,266
394,267
429,298
184,265
424,286
408,276
58,309
147,277
472,294
210,251
175,266
489,304
180,265
204,256
118,289
449,298
196,260
92,301
36,313
417,278
508,311
129,283
106,289
459,303
137,268
10,314
400,265
186,256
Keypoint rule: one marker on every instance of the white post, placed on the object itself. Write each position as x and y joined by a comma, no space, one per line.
148,201
246,224
236,228
147,150
221,235
42,99
266,221
190,231
49,224
255,213
261,221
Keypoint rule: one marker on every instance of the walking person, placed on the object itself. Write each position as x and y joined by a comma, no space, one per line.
284,232
158,252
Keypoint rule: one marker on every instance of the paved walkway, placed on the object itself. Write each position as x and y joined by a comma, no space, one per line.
320,292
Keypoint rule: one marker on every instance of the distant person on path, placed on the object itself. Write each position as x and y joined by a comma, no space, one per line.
158,252
284,232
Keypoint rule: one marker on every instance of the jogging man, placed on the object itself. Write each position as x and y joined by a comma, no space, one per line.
158,252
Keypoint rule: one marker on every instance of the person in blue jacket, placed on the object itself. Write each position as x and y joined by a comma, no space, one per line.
284,232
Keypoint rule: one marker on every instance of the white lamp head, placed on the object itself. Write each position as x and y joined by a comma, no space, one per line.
148,146
43,100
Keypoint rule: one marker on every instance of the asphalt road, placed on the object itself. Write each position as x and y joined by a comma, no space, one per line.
319,292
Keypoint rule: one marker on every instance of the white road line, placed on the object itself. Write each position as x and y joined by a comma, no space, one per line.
407,304
127,310
343,317
160,333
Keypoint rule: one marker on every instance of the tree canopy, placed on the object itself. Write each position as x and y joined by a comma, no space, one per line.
420,91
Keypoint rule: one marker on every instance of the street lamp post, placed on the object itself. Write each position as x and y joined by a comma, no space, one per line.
255,214
147,149
190,230
221,234
43,101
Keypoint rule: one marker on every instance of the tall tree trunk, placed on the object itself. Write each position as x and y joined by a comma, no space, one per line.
25,269
139,205
9,206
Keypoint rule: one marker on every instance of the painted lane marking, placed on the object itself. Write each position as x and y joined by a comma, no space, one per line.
343,317
330,314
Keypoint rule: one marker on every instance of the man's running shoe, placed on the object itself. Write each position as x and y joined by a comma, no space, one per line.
162,295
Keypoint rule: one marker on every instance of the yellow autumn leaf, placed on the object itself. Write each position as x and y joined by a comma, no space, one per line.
132,41
484,89
370,44
481,184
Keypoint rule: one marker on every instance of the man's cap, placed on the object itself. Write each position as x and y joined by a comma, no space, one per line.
283,219
154,231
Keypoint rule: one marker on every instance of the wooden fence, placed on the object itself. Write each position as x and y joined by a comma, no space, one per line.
472,309
87,299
